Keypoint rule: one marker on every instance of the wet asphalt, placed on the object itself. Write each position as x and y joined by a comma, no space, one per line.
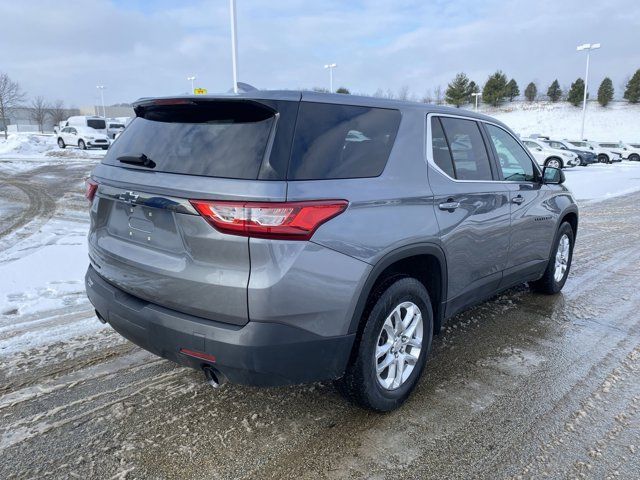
523,386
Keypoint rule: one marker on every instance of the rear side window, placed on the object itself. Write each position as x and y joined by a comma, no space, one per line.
219,139
467,148
341,141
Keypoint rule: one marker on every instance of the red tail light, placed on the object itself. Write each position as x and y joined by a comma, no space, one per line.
276,220
91,189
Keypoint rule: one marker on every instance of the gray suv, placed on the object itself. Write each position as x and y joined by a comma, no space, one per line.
274,238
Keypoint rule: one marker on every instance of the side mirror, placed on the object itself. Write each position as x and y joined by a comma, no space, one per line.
552,176
539,149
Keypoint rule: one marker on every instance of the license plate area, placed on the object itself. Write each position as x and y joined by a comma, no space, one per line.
140,224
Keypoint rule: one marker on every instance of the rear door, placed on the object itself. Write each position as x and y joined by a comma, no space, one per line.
146,237
532,213
472,209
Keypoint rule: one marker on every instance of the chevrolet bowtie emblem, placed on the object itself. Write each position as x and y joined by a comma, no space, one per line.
129,197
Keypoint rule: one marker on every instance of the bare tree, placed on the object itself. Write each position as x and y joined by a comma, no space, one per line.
403,93
379,93
39,111
11,96
57,112
389,93
437,93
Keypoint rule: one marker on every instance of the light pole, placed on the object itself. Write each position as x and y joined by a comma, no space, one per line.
330,66
476,94
234,44
192,78
588,47
101,88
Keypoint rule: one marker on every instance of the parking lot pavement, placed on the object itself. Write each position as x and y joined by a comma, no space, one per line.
524,386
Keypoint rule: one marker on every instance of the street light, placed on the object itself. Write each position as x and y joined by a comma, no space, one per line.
330,66
588,47
476,94
192,79
234,44
101,88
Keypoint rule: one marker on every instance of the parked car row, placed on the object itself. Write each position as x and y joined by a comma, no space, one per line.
569,153
89,131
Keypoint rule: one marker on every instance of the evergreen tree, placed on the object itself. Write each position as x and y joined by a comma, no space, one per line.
554,92
458,90
632,92
531,92
343,90
576,92
605,92
473,88
495,90
512,90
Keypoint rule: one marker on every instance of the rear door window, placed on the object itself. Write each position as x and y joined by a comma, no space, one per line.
468,151
220,139
341,141
440,148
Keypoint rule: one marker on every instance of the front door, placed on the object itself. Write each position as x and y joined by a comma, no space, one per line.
532,217
472,209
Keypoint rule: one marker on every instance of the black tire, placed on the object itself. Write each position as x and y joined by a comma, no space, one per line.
552,159
105,148
634,157
82,145
602,158
61,143
548,284
359,383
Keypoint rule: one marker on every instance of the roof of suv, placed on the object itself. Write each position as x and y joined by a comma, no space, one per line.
321,97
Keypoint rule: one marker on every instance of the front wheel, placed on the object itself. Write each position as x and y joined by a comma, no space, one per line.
391,350
553,162
61,143
557,271
634,157
82,145
602,158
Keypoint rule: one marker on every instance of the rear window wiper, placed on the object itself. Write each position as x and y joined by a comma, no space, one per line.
141,160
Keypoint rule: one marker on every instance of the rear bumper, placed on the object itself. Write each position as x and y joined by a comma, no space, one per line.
258,353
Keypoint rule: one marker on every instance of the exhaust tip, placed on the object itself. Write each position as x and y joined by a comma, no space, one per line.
214,378
100,317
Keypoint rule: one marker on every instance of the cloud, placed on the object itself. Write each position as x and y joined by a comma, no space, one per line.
136,48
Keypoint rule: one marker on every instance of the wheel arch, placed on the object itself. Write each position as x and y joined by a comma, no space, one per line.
424,261
570,216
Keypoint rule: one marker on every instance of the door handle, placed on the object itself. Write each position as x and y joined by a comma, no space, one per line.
519,199
449,205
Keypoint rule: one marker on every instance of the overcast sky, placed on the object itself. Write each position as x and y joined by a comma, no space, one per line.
63,49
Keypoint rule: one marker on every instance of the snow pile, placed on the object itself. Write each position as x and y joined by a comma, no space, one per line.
601,181
26,145
618,121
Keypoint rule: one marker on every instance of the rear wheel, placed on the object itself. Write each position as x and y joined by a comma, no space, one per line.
392,348
634,157
61,143
602,158
82,145
557,271
553,162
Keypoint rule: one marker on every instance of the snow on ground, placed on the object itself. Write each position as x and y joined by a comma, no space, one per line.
46,270
618,121
601,181
35,146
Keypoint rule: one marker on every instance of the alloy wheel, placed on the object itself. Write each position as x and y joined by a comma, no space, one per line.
399,345
562,258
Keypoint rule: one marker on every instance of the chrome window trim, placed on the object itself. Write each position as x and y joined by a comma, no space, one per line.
432,163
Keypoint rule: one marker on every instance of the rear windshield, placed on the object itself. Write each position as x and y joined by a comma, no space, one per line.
96,123
341,141
222,139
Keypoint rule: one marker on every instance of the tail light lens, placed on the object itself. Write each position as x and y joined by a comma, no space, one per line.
91,189
277,220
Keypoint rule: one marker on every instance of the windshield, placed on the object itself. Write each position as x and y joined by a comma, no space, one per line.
96,123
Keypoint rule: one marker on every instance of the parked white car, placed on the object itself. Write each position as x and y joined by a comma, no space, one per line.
114,128
604,154
626,150
82,137
547,156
